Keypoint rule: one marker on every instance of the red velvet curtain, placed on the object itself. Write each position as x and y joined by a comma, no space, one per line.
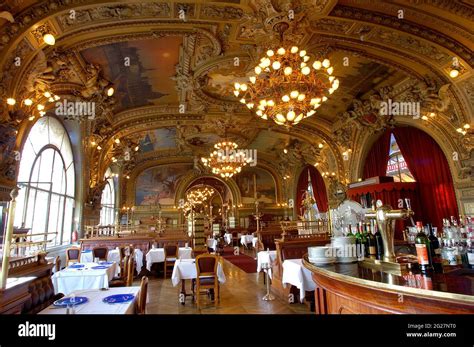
319,188
429,166
377,158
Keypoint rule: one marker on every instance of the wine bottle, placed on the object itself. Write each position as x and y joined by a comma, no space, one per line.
378,243
371,242
435,250
359,245
422,245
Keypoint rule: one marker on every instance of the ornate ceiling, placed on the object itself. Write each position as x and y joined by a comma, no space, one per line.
173,64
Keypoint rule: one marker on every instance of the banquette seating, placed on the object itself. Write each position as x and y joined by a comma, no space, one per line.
42,295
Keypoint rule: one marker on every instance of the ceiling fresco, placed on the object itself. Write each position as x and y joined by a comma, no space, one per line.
141,70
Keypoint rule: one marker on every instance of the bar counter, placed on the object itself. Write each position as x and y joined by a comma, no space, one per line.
353,289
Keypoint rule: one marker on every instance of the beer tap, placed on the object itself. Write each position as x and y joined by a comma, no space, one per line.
385,218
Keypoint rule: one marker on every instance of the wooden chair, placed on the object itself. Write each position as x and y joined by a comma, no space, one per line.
141,301
130,270
121,281
100,252
171,254
57,264
206,268
73,255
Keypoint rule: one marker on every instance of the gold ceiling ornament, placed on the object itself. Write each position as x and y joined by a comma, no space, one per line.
226,161
288,85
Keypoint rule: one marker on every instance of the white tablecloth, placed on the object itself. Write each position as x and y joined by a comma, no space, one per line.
268,257
296,274
246,239
228,238
95,305
69,280
185,269
157,255
254,242
114,255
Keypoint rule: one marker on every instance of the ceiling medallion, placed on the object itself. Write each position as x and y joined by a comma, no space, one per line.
226,161
288,85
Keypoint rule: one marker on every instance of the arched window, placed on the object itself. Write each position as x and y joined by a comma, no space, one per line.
107,202
396,166
46,179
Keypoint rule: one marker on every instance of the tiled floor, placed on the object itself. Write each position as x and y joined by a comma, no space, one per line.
241,294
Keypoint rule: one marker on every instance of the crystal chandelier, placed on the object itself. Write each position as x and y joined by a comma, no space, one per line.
226,161
288,86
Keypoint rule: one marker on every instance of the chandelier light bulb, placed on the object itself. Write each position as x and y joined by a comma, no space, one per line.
301,97
56,97
294,49
466,126
270,103
302,53
250,105
285,98
280,118
294,94
331,78
236,92
305,58
40,107
281,51
330,70
270,53
276,65
324,98
11,101
288,70
258,70
243,87
306,70
28,102
290,116
253,79
317,65
237,85
326,63
47,94
110,91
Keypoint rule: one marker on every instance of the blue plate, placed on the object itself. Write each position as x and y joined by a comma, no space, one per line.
99,267
64,302
76,266
118,298
106,262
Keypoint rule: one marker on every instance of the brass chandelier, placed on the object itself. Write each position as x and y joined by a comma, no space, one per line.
199,194
226,161
288,85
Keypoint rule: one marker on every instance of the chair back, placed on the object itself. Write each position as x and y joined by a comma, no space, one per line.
130,270
171,251
100,252
141,302
206,265
57,264
73,255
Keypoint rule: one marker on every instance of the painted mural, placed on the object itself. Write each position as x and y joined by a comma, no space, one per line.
157,185
163,138
265,190
140,70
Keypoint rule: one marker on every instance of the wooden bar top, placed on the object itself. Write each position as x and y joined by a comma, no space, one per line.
373,291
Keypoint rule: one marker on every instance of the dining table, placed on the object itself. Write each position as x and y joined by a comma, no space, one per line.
95,302
185,269
82,276
114,255
294,273
157,255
